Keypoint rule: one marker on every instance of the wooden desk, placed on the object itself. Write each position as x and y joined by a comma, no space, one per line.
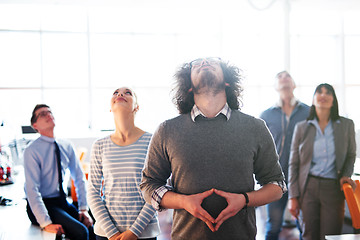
14,222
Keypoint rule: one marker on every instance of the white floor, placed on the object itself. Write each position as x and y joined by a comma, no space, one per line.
14,222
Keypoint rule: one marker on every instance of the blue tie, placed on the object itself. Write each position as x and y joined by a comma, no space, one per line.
58,159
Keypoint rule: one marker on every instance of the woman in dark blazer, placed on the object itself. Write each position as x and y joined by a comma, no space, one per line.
322,158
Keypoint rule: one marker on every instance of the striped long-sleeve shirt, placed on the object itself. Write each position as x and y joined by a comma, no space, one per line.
116,170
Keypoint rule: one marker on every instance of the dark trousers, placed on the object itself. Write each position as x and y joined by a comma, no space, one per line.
104,238
322,208
65,214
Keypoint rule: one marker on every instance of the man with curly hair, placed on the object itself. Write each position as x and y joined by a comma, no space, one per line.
211,151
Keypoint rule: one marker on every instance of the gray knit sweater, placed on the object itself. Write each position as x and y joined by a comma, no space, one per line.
211,153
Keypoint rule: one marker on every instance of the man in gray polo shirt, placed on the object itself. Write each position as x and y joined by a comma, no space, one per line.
211,151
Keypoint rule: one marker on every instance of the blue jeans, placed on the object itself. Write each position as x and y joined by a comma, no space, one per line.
275,212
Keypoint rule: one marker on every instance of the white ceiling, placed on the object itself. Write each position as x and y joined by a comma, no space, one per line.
322,4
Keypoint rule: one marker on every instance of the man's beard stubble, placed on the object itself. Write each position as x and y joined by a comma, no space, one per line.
209,84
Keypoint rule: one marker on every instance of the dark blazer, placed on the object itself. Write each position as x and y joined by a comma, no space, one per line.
302,153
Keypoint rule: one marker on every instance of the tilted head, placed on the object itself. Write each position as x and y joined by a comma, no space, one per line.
206,73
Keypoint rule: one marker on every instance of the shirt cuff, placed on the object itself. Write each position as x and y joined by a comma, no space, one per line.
281,184
157,197
83,208
43,225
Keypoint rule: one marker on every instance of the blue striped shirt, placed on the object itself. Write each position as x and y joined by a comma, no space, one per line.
122,206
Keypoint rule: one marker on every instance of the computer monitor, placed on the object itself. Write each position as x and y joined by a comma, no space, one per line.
27,129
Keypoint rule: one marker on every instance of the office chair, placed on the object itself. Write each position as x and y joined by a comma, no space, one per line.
353,201
85,169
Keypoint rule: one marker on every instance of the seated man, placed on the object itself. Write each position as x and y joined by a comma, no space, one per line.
45,162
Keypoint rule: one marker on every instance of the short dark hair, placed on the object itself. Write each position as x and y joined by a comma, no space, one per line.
334,111
33,116
184,99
